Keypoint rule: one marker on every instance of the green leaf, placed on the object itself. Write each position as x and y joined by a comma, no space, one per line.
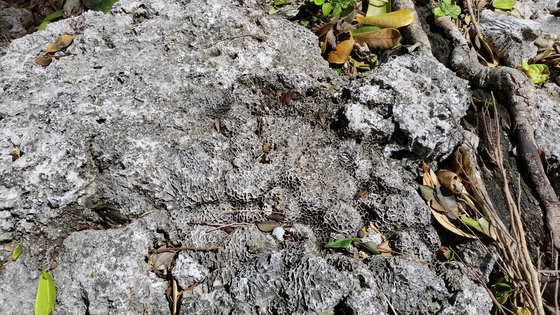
326,9
364,29
438,12
272,10
447,7
341,243
46,294
538,73
337,10
17,251
49,18
503,4
454,11
104,6
481,225
319,2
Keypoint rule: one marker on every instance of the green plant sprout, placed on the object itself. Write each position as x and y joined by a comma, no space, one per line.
447,7
331,7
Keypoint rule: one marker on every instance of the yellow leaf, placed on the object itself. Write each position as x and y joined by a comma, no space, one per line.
394,19
64,41
52,48
385,38
342,52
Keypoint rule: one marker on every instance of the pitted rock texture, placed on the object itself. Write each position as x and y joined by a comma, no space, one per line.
128,118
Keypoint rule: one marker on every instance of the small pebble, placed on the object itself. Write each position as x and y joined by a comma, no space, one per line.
278,233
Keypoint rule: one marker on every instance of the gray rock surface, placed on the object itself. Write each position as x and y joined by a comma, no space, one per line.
127,118
14,23
512,39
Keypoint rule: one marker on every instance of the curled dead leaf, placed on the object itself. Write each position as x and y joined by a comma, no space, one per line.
450,180
16,154
342,52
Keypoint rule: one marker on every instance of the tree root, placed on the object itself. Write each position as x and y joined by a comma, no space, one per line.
519,94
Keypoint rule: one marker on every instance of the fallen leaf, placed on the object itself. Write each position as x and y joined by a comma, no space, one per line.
503,4
44,60
444,253
364,29
444,221
447,200
60,43
16,154
371,247
267,226
217,125
384,38
276,217
16,252
484,53
342,52
450,180
481,225
361,193
46,294
320,118
341,243
394,19
429,178
161,263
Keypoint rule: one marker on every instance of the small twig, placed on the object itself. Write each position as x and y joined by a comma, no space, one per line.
555,253
474,19
389,303
175,249
529,273
180,294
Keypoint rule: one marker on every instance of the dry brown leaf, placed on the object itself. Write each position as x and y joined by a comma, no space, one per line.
44,60
444,221
16,154
450,180
384,38
161,263
429,178
485,54
324,29
361,193
342,52
394,19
